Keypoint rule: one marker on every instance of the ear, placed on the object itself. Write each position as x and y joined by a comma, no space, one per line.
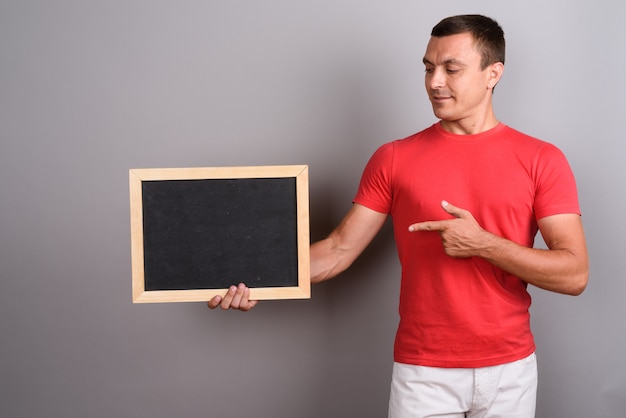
495,72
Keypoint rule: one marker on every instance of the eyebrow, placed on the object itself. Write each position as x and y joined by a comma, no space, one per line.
453,61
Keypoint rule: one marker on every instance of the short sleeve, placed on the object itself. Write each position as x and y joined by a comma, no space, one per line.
555,184
375,188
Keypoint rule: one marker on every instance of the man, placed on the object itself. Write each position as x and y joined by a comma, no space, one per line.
464,347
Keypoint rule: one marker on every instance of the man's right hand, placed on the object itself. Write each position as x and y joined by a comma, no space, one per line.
236,298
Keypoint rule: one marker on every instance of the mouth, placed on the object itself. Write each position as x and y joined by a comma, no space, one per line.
439,99
440,94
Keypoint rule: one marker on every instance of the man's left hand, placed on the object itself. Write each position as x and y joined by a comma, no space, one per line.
462,236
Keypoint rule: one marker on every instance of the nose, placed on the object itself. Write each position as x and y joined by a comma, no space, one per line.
435,79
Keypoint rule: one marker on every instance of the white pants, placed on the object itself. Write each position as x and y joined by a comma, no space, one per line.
508,390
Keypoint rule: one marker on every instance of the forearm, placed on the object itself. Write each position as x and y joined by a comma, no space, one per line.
561,270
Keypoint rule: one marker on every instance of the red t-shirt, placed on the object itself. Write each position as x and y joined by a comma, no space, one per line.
465,312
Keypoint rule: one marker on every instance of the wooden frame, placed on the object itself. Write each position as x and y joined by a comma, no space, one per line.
143,180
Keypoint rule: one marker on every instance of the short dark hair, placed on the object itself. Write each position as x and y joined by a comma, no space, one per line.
487,34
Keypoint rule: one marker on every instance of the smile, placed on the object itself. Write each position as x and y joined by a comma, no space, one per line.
440,99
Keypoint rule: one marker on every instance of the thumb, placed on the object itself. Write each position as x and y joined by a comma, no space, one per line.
452,210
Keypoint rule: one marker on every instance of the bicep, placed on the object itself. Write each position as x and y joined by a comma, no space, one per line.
334,254
563,232
565,238
357,229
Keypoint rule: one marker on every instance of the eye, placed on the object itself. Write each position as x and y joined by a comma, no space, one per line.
429,70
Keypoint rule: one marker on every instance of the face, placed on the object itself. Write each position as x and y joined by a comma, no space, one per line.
459,90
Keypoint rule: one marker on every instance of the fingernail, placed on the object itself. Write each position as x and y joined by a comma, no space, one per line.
444,203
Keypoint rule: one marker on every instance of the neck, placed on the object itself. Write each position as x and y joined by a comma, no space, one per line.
470,126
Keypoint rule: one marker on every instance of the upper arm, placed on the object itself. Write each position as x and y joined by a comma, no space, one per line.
357,229
334,254
565,232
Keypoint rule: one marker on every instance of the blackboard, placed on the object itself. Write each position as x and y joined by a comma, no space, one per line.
196,231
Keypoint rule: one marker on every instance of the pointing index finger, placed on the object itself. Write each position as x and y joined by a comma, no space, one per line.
427,226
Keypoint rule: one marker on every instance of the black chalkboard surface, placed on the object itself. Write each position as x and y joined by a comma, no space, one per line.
197,231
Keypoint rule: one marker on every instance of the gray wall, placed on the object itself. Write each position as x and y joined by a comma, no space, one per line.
91,89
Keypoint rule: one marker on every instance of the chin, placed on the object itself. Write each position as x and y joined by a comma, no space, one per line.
442,115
